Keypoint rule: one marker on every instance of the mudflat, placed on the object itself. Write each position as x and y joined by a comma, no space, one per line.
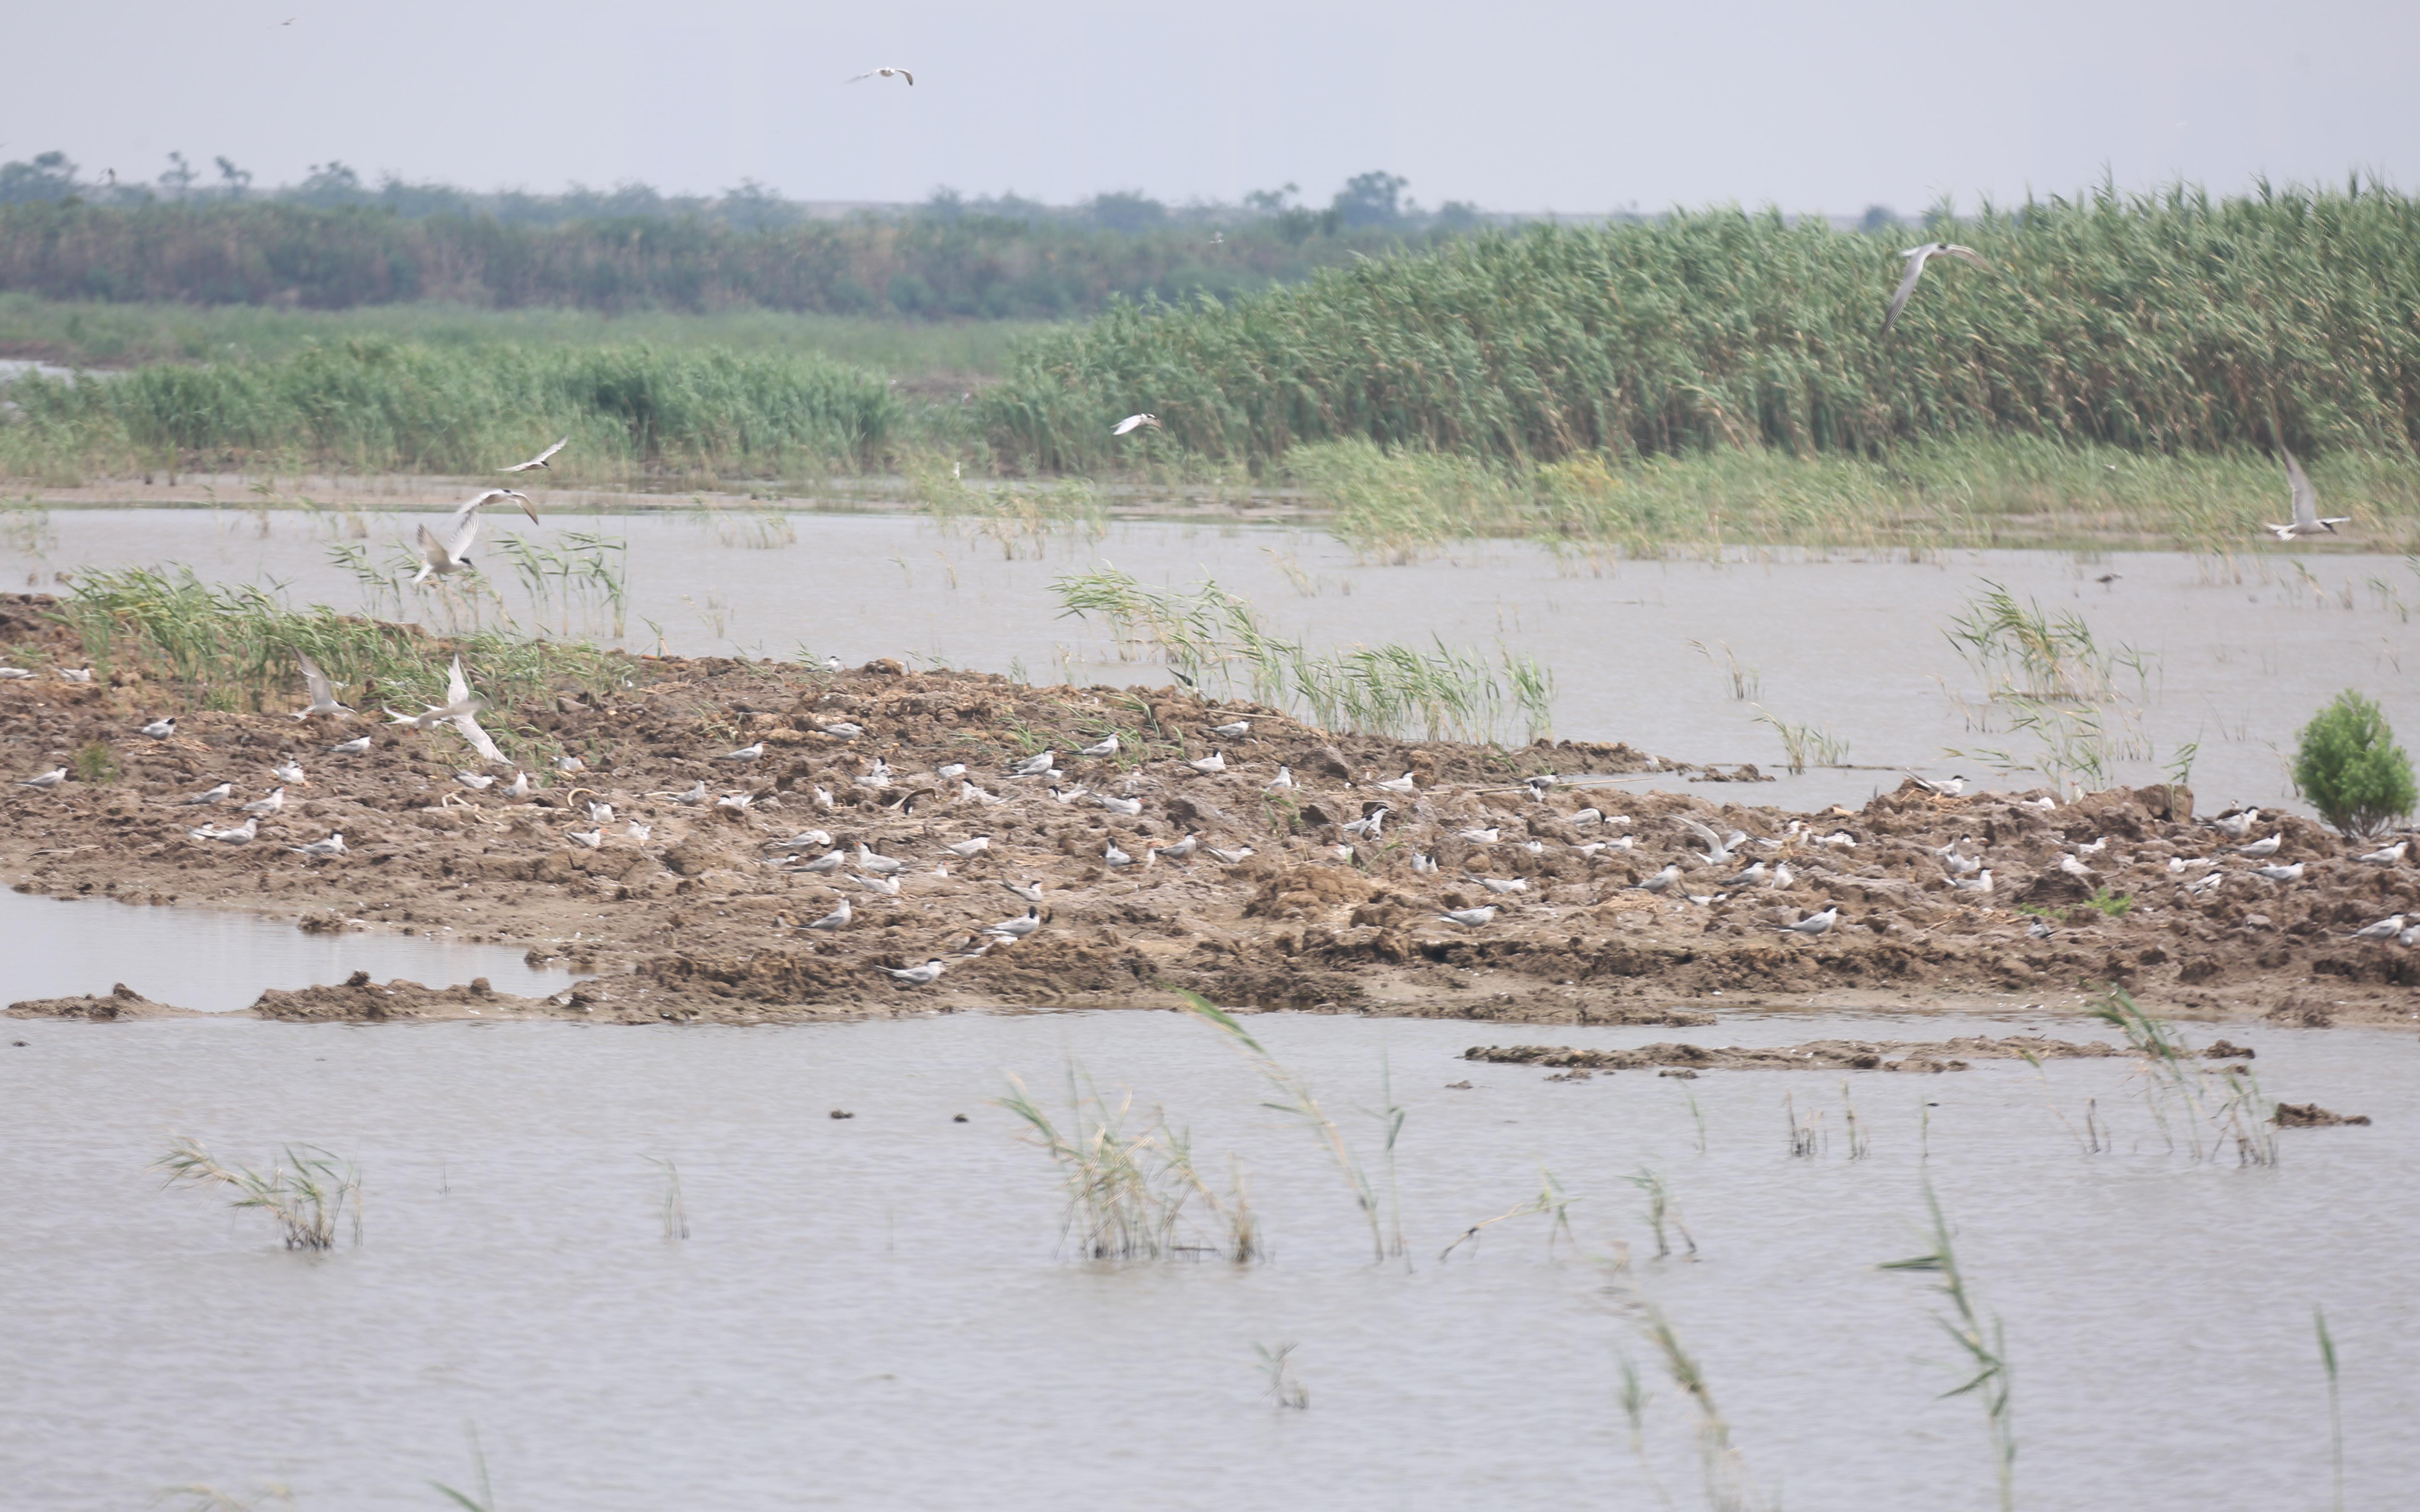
705,915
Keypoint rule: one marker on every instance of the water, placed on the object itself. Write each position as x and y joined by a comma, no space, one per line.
212,961
2240,653
871,1312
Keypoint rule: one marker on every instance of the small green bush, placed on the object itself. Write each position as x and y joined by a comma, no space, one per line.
2350,767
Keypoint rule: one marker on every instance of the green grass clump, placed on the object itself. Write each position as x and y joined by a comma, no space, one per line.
307,1193
2158,323
376,406
235,646
2347,765
1390,689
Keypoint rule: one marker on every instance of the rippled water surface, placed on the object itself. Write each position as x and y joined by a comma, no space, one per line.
876,1312
2237,653
213,960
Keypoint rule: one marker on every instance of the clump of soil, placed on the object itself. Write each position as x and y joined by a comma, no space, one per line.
703,917
120,1002
1815,1054
2312,1116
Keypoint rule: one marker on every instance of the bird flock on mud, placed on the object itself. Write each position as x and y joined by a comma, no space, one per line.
1705,867
444,552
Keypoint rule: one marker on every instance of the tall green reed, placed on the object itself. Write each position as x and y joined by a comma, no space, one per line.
1983,1344
1217,638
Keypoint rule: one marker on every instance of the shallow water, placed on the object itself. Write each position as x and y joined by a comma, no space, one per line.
213,960
2240,652
874,1312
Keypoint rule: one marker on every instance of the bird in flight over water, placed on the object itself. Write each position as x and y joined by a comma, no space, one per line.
2307,520
884,72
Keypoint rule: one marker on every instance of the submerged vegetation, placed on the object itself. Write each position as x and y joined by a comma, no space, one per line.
1214,638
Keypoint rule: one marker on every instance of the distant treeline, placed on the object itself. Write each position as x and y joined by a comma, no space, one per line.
334,243
2170,323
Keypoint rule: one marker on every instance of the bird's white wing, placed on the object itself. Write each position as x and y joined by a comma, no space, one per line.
455,542
541,459
480,740
315,682
433,555
856,77
1129,422
2306,499
1906,286
458,687
1965,254
909,77
1701,832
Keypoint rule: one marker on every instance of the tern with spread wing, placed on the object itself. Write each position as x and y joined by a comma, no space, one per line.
542,459
2307,520
1135,423
323,692
446,551
1916,257
884,72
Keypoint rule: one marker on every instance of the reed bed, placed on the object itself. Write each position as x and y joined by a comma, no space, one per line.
376,406
235,646
2160,322
1211,636
1401,505
2220,1108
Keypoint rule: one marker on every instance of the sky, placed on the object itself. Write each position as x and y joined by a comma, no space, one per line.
1578,107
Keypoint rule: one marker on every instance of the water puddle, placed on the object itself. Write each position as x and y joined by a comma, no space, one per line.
876,1311
215,961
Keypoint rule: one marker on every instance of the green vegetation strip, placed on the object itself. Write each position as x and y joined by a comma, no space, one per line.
2161,324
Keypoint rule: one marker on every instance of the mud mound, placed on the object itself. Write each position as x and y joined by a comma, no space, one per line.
2312,1116
121,1002
697,911
359,1000
1815,1054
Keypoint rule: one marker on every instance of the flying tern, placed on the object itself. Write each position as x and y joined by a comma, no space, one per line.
2307,520
887,71
446,550
542,459
1916,257
1135,423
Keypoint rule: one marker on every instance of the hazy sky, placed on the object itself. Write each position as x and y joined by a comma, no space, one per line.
1567,106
